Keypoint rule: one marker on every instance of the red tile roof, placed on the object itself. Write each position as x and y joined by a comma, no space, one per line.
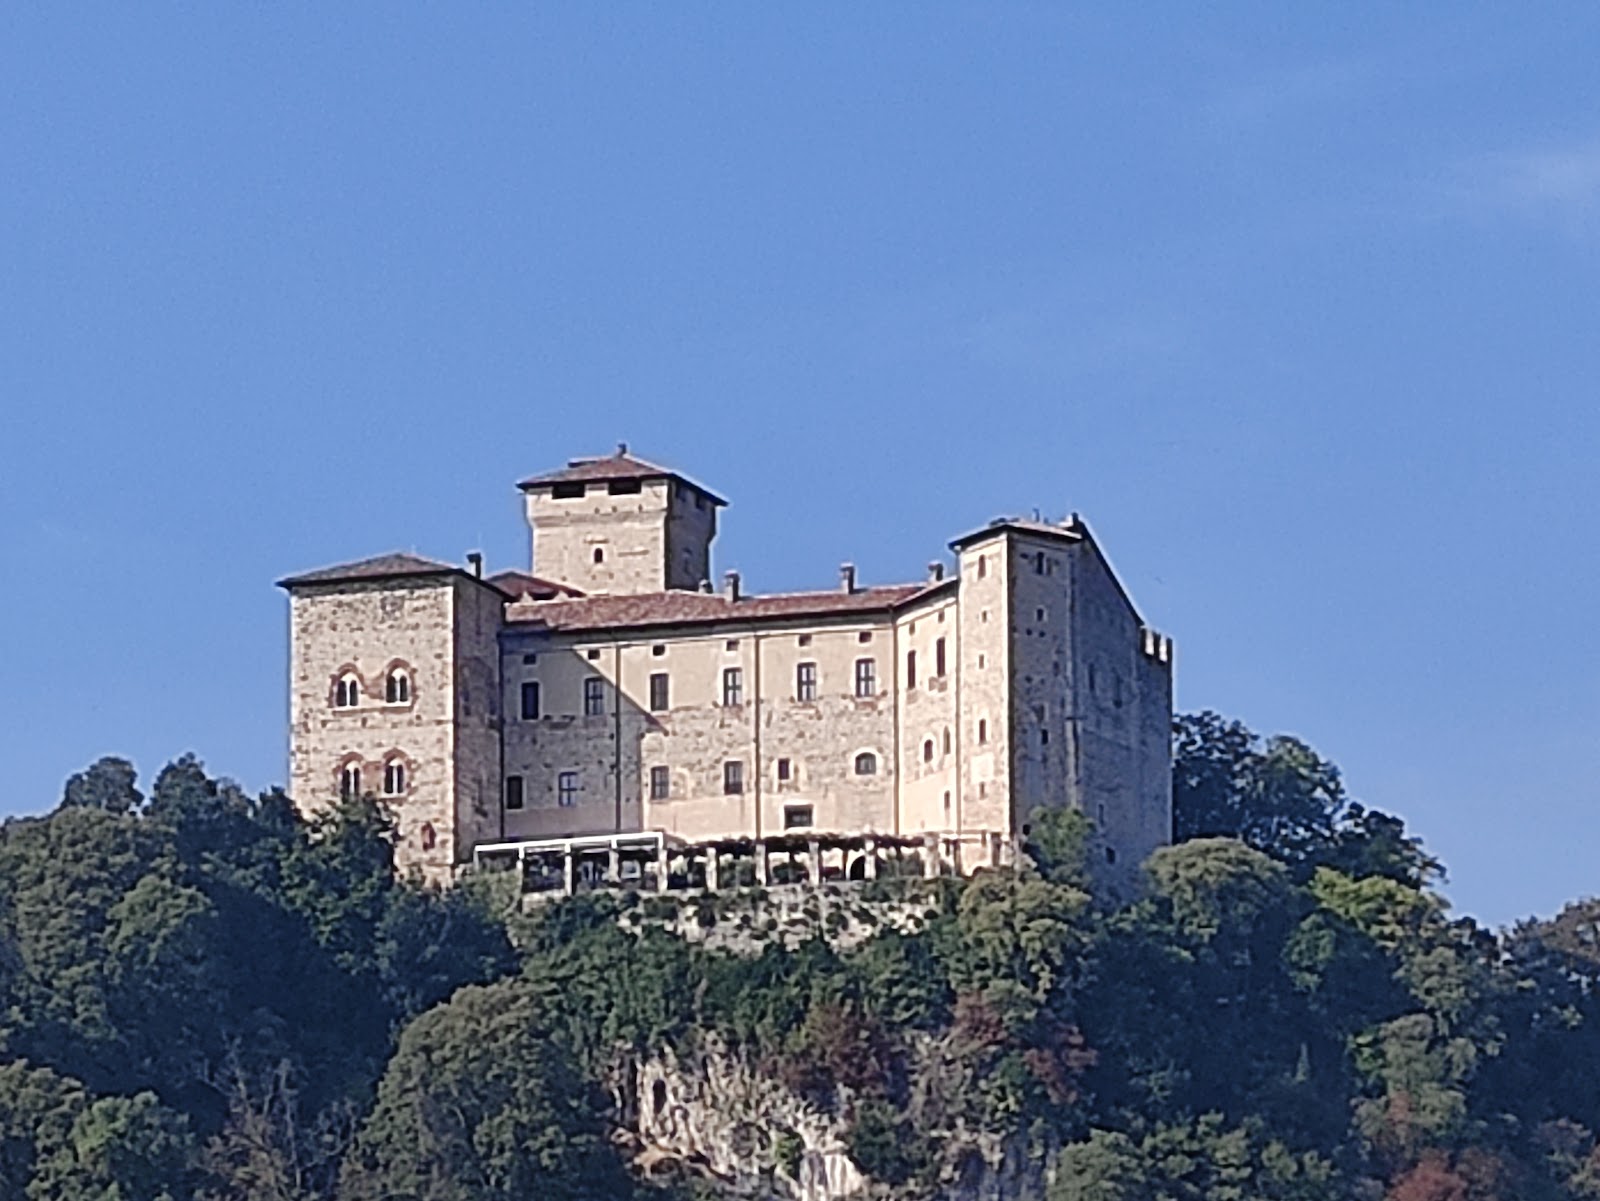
619,466
707,608
517,584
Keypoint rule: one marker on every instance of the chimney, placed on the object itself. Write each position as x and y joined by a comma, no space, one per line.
730,585
475,559
705,587
935,572
847,577
622,449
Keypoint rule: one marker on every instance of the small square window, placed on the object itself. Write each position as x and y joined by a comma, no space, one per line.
805,639
731,644
530,658
864,636
594,654
658,650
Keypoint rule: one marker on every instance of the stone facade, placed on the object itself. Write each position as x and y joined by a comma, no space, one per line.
614,692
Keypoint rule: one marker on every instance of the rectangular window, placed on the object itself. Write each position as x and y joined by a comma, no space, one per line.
624,487
733,777
566,491
866,677
658,692
805,682
938,657
594,697
733,685
567,789
797,817
530,699
785,773
911,669
983,731
660,783
513,792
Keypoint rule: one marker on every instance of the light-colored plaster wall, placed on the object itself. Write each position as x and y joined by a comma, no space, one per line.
984,801
647,541
478,613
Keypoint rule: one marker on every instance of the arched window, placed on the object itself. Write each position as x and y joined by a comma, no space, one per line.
927,750
427,837
866,764
599,554
394,777
347,692
397,686
350,781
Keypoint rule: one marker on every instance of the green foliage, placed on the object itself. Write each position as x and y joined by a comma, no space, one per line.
204,997
479,1103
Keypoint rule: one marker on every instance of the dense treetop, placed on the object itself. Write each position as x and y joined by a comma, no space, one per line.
203,996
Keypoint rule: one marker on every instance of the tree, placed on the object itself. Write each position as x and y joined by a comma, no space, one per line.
108,784
1282,798
479,1103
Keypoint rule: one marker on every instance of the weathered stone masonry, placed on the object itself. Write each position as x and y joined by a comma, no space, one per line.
610,691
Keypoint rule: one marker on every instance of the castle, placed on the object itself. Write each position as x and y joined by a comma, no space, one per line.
608,716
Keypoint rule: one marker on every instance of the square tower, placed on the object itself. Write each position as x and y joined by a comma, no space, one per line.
619,525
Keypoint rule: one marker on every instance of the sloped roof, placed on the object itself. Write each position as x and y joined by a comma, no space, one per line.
1066,533
708,608
618,466
394,566
517,584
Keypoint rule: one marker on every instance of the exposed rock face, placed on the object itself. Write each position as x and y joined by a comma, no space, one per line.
713,1113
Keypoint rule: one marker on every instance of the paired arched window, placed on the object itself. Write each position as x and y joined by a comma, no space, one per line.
394,777
347,692
397,686
866,764
350,781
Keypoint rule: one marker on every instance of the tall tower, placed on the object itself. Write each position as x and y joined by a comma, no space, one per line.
620,525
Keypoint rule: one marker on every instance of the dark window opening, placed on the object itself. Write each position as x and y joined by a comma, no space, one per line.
394,778
785,771
733,777
625,487
866,764
947,742
866,678
599,554
911,669
397,688
659,685
347,693
530,700
805,639
567,491
798,817
864,636
938,657
530,658
658,649
513,792
658,1097
983,731
927,750
660,783
350,783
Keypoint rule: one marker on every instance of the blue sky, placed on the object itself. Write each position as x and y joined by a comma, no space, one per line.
1296,304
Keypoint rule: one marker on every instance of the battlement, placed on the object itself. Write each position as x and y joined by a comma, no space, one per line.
1155,646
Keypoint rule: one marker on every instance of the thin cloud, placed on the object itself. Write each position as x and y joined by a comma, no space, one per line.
1556,185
